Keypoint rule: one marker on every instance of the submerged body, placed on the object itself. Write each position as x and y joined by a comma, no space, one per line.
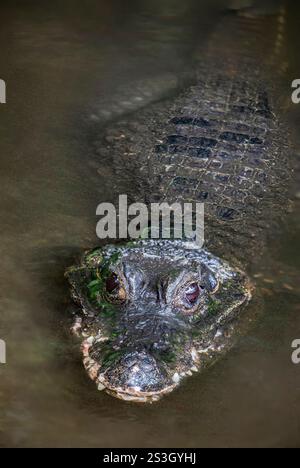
154,312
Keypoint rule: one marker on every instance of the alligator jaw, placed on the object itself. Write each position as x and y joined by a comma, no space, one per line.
134,395
130,394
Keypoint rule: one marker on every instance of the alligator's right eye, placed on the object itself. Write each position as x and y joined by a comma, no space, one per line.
112,283
115,288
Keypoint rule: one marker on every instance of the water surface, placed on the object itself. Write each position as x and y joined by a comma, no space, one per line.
64,64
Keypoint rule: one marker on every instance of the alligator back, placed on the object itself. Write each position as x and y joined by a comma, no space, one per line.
221,142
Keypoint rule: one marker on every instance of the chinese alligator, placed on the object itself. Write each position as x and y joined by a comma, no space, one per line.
153,311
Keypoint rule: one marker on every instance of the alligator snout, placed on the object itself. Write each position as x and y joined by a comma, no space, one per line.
137,376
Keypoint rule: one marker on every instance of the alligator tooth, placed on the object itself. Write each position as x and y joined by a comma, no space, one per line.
155,398
176,377
100,378
194,369
189,372
90,339
194,355
99,338
100,387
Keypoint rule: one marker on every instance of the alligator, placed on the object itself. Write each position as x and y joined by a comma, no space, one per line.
151,312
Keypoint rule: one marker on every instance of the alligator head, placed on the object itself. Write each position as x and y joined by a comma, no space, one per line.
152,312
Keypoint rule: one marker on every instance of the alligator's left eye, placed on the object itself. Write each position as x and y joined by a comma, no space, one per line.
115,288
192,293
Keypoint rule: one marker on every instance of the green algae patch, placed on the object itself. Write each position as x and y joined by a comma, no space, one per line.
96,288
213,306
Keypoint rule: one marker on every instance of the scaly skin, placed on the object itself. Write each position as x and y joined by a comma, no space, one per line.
221,142
154,312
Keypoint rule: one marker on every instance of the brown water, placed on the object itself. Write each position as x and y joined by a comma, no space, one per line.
62,62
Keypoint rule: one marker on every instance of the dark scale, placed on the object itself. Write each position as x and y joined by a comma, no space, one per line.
196,122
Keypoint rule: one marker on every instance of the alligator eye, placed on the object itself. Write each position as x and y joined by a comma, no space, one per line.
115,288
192,293
112,283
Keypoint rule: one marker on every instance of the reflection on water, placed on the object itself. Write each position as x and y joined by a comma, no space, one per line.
66,66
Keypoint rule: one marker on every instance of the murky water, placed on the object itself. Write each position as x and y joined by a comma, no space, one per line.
69,65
